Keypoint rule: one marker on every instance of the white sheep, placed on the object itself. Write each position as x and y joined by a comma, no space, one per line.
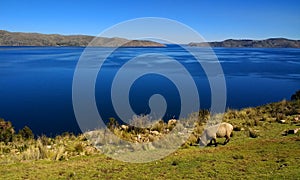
211,133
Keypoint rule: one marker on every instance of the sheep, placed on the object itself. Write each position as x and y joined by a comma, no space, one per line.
211,133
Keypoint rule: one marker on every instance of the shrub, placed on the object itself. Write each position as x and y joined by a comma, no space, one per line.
112,124
250,123
296,96
79,147
59,155
257,122
6,131
140,123
43,151
32,153
26,133
45,140
158,126
203,116
192,139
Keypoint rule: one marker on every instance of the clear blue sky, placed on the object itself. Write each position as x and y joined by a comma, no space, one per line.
213,19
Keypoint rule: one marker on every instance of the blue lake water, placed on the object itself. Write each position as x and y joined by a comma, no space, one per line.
36,82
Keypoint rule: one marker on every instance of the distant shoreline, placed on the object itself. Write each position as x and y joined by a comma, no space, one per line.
56,40
247,43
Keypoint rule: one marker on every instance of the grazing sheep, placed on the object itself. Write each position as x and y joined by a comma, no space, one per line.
211,133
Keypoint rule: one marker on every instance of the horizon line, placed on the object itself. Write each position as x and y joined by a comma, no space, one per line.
78,34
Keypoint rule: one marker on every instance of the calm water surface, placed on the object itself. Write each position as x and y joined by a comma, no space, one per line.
36,82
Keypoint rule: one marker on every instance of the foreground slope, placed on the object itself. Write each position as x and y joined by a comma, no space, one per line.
259,149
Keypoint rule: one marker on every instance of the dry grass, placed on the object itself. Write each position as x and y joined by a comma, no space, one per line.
268,155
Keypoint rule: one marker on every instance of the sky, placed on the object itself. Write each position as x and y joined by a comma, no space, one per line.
215,20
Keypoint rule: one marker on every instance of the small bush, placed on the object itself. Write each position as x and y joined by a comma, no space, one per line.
45,140
203,116
158,126
4,149
142,121
192,140
112,124
31,153
296,96
6,131
43,151
79,147
26,133
59,155
250,123
257,122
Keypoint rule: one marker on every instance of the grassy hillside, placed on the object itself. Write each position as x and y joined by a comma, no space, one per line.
274,158
262,148
247,43
36,39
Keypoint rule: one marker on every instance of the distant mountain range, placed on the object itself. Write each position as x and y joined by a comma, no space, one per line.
36,39
267,43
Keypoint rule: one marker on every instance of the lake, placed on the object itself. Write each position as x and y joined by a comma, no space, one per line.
36,82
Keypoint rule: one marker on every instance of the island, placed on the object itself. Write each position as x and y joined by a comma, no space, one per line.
36,39
247,43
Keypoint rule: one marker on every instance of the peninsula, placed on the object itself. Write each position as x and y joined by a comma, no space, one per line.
36,39
267,43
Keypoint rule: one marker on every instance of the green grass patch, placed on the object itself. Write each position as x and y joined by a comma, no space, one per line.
249,159
269,155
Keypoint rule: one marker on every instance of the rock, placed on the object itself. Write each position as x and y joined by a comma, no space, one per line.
139,137
156,133
124,127
284,133
293,131
253,133
282,121
172,122
290,131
